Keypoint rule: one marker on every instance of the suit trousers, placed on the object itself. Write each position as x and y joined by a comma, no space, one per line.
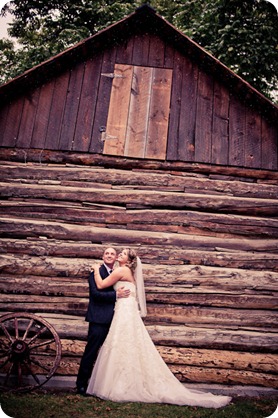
96,336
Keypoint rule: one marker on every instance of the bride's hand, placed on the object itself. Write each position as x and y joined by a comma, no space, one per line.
95,267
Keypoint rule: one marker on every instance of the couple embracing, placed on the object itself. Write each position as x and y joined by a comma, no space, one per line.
120,362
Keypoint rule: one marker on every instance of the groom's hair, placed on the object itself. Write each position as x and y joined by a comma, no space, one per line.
110,247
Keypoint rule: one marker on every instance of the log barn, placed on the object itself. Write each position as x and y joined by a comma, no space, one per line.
138,137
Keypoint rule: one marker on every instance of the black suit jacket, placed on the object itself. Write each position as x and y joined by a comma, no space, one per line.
101,302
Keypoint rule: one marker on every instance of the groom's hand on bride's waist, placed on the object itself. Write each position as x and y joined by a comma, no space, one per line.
122,293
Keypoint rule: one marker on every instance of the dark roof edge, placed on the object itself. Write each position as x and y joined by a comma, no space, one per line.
209,61
68,51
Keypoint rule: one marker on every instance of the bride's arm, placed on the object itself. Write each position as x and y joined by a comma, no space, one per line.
114,277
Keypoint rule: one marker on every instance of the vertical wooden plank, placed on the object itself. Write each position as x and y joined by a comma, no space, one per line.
87,105
169,55
124,51
187,120
236,132
4,111
140,55
103,98
175,109
57,111
10,135
42,115
27,120
71,108
204,118
269,145
156,51
252,147
220,150
159,114
118,110
137,126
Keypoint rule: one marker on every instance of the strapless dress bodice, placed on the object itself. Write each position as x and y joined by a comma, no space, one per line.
127,285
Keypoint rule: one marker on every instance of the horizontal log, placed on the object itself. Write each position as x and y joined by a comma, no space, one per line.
207,297
70,366
132,198
238,301
67,176
44,286
218,359
241,340
222,278
198,296
73,348
44,304
62,157
217,317
73,327
171,255
23,228
231,377
182,222
157,313
183,277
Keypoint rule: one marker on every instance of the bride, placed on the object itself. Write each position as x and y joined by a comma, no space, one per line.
129,368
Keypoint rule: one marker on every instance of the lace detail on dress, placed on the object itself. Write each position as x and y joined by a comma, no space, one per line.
130,369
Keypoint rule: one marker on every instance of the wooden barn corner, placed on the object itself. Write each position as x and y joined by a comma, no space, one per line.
138,137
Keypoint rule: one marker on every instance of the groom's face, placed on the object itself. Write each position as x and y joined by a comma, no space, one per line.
109,257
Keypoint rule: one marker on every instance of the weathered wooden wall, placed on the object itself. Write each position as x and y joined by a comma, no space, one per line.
207,237
209,121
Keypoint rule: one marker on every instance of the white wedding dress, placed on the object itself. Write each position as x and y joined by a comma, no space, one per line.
130,369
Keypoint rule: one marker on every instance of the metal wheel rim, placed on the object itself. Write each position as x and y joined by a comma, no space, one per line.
29,356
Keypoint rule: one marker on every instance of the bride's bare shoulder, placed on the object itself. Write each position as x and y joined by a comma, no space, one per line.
121,268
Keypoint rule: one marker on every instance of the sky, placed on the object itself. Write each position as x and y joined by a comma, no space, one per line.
4,24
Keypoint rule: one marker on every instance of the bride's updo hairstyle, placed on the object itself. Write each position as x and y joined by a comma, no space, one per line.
132,259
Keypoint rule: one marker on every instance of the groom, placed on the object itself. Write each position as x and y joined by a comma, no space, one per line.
99,315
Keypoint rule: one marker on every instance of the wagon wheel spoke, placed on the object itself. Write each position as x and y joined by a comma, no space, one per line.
30,351
8,374
5,352
37,335
38,363
19,374
6,332
5,362
28,329
42,344
4,347
16,328
32,374
42,354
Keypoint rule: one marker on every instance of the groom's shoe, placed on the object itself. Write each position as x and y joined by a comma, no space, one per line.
81,390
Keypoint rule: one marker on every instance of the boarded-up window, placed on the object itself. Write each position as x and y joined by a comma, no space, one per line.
138,117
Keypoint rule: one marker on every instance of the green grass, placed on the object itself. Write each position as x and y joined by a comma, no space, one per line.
69,405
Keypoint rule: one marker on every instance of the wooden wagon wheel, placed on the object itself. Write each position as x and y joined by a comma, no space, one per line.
30,351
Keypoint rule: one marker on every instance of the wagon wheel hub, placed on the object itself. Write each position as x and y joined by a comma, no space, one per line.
30,352
20,350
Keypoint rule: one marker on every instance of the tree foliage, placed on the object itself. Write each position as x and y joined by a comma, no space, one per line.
42,28
243,34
